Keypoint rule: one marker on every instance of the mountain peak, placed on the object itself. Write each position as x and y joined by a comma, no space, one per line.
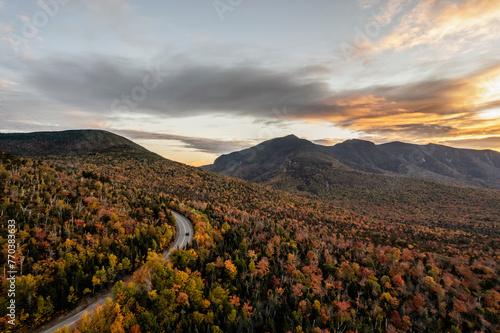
290,138
358,142
262,161
285,142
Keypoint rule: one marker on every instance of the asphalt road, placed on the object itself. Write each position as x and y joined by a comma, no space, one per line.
182,239
183,228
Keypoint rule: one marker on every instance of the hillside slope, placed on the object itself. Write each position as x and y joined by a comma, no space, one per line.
380,191
71,142
272,261
261,260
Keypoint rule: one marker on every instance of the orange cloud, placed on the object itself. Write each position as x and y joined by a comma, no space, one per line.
433,111
492,142
447,24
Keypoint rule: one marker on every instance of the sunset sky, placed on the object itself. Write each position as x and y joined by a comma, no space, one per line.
191,80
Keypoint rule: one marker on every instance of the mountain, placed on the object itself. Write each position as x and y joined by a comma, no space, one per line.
271,158
470,167
380,252
382,182
366,156
298,161
71,143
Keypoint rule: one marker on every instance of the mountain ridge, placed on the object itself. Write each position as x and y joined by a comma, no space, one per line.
289,157
466,167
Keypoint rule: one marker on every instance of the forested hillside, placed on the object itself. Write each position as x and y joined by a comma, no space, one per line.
71,142
262,260
78,232
299,166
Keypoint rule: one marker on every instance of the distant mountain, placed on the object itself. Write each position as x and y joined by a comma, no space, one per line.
271,158
366,156
71,142
290,163
470,167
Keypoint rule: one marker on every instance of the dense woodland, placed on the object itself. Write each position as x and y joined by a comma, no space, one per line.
262,260
77,234
399,199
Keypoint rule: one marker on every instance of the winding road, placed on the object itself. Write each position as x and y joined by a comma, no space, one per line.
184,236
183,227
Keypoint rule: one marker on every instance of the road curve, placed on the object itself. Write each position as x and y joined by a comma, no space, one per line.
184,236
184,233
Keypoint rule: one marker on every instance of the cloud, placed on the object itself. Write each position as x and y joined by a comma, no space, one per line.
388,10
211,146
4,28
492,142
367,4
182,90
108,11
445,24
279,122
432,108
119,18
88,84
421,130
424,109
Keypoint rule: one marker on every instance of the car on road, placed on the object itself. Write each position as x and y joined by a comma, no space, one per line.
187,233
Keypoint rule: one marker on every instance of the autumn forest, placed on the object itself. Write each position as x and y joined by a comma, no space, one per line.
262,259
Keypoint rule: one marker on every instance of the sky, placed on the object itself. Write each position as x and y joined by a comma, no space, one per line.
192,80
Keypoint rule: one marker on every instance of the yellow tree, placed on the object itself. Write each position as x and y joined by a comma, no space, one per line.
231,268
